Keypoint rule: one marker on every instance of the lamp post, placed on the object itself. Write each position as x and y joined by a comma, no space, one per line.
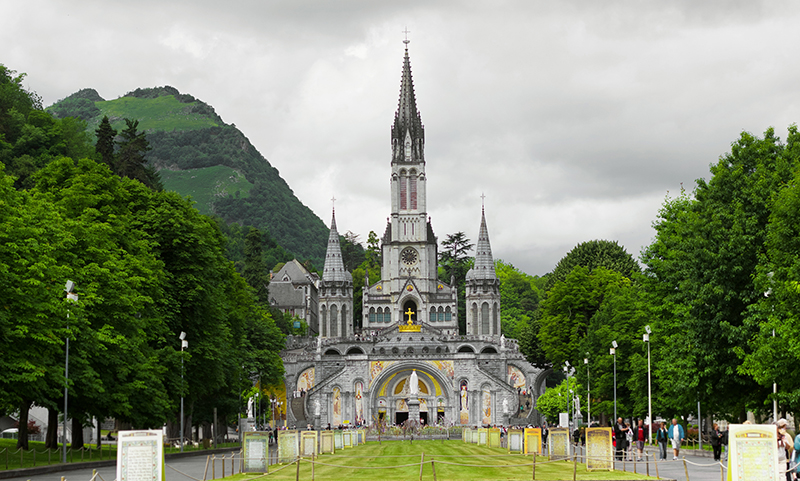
184,345
71,296
569,392
614,353
588,393
774,384
646,338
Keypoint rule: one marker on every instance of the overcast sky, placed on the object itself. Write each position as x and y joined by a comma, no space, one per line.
575,118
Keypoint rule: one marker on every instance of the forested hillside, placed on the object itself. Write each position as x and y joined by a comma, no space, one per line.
199,155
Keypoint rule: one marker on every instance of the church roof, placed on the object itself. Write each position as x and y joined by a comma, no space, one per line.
407,118
484,263
334,265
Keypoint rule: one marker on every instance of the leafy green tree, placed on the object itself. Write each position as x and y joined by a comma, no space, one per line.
255,270
771,354
519,296
592,254
16,102
702,268
557,400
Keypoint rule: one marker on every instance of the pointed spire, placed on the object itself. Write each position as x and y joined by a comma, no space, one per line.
407,120
334,265
484,263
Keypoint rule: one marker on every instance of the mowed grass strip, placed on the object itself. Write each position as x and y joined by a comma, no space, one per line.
394,453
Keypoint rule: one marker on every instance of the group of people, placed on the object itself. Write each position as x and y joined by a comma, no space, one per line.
626,437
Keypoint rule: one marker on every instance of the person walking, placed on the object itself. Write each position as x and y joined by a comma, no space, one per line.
676,434
619,438
716,442
785,447
662,436
640,436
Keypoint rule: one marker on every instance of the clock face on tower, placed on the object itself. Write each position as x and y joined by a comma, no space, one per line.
409,256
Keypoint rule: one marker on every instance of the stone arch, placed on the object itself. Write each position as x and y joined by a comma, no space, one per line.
332,352
355,350
410,302
465,348
427,373
489,350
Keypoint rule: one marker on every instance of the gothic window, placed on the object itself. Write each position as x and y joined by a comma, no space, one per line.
448,315
412,192
475,320
485,318
345,330
432,317
372,317
441,314
403,193
387,315
334,318
324,313
496,328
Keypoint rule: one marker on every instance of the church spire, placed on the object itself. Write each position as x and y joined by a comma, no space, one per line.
484,263
334,265
408,133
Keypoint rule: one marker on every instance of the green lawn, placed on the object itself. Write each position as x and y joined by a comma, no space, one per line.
373,454
162,113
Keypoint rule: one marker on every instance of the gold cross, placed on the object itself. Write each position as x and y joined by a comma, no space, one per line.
409,314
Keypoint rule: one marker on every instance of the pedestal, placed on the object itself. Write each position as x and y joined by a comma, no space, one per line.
506,417
413,410
316,422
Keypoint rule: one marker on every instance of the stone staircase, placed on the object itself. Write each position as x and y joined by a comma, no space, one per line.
298,406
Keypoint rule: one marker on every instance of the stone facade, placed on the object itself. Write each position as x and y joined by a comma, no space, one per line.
410,322
293,289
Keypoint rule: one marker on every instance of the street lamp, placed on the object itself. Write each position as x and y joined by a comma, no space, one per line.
71,296
646,338
588,393
184,345
614,353
774,384
569,391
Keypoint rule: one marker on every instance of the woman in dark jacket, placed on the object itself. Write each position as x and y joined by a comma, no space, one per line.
662,436
716,442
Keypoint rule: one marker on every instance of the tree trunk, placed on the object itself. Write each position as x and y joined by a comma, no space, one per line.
51,438
24,407
99,433
77,433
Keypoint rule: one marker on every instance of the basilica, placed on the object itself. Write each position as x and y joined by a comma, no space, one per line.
409,360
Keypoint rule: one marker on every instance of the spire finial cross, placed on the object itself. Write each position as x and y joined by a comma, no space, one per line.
333,203
406,32
482,199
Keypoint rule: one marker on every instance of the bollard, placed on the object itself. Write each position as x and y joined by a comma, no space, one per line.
574,466
223,466
312,466
686,469
205,471
648,463
721,472
655,461
213,466
233,463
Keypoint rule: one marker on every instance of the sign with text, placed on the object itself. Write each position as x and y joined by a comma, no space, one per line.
559,443
599,449
753,453
533,440
140,455
256,449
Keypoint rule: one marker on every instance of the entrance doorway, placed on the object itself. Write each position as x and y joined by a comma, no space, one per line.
400,418
440,416
423,417
410,306
381,415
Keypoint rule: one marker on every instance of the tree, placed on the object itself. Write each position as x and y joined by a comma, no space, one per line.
454,262
105,142
701,269
131,161
591,254
16,102
519,296
557,400
255,270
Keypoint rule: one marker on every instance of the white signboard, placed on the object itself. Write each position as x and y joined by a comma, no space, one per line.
140,455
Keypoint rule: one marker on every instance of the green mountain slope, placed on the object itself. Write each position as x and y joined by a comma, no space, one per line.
199,155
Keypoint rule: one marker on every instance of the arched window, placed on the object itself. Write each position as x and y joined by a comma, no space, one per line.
432,317
485,318
475,319
345,330
412,192
403,191
324,313
372,317
495,319
334,318
448,315
441,314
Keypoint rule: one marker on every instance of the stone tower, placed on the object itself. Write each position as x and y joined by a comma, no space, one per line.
483,288
335,291
409,286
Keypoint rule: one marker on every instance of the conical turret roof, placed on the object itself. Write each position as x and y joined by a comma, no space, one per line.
334,265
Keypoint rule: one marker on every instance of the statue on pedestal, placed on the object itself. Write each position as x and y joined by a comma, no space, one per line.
505,406
413,383
317,407
502,341
250,408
